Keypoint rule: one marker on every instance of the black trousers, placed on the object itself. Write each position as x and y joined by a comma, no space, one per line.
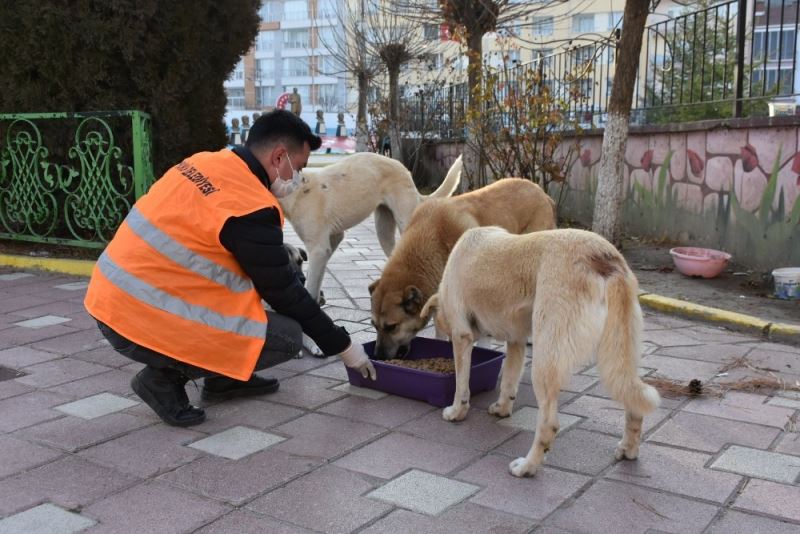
284,340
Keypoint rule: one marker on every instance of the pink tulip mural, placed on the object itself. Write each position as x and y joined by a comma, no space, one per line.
796,167
749,158
647,159
586,158
695,162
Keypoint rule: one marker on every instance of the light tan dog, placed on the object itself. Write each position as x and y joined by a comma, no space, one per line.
335,198
414,269
573,292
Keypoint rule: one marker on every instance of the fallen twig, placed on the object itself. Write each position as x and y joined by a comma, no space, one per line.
670,388
695,388
650,509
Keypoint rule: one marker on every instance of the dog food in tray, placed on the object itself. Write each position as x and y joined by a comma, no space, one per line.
434,388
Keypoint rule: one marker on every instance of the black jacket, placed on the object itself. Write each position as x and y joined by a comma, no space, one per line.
256,241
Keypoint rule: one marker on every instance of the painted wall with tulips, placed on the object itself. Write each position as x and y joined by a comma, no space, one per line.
732,189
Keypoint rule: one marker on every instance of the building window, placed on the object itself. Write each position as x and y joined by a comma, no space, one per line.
772,81
326,38
238,72
265,69
326,9
780,43
587,88
295,10
543,54
235,98
431,32
328,65
327,97
433,61
297,38
295,66
583,54
542,26
265,41
267,95
582,23
614,18
269,11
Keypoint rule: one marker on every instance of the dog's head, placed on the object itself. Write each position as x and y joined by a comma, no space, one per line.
395,315
296,258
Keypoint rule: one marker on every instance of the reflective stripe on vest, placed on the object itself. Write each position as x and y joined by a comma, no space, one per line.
157,298
184,257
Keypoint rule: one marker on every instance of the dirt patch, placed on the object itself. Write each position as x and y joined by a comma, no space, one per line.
44,250
736,289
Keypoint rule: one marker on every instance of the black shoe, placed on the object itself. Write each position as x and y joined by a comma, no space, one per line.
217,388
165,392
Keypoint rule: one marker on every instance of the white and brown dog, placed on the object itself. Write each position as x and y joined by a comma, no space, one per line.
335,198
414,270
574,293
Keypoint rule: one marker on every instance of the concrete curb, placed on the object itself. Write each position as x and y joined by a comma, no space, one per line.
74,267
781,332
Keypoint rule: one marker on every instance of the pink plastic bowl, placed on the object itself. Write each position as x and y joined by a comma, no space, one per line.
705,262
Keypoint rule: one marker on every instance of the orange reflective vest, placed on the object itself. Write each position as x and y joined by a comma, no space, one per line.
166,282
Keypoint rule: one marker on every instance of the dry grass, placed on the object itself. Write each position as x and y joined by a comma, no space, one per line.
695,388
767,383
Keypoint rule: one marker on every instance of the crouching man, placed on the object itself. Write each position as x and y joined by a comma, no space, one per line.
180,285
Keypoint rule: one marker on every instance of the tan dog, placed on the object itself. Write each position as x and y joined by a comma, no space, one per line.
335,198
414,269
571,290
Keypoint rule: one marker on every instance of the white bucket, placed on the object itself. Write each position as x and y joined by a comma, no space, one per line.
787,283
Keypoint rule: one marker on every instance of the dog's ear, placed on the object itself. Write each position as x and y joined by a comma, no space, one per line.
303,254
412,300
430,307
373,285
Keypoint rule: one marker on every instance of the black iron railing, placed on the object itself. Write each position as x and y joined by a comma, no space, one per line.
705,64
577,80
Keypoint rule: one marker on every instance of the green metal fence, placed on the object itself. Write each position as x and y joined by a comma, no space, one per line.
70,178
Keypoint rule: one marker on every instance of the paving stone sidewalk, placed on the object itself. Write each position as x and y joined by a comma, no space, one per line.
80,452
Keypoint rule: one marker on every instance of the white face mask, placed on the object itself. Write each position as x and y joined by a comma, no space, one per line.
282,188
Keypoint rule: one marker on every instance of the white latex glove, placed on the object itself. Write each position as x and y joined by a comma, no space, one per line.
355,358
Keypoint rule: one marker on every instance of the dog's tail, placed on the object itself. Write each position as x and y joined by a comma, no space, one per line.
385,225
451,181
620,345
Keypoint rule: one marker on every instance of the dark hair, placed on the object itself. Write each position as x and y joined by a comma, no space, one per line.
281,126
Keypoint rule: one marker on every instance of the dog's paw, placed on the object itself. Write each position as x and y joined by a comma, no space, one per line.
521,468
321,299
499,409
627,453
313,350
455,413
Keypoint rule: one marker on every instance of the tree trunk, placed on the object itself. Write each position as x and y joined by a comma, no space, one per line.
362,132
394,111
608,200
472,176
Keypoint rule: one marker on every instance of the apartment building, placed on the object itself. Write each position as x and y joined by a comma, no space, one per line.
576,30
289,53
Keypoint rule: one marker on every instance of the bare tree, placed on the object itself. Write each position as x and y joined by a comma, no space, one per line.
348,45
392,38
608,202
468,21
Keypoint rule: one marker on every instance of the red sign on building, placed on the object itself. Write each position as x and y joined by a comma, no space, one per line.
282,101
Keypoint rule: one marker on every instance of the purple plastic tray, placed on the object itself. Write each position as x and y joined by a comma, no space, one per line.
434,388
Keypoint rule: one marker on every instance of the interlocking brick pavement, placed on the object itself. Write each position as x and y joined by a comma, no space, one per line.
706,465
